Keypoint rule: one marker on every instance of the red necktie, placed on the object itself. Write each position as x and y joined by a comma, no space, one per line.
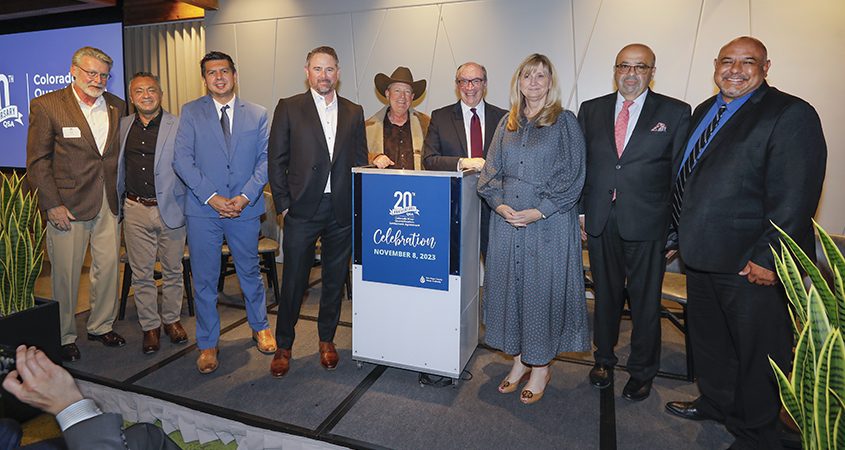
476,144
621,128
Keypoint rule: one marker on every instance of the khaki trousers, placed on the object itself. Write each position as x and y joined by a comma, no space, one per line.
66,250
147,237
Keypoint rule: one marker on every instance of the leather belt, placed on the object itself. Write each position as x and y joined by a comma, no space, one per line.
142,200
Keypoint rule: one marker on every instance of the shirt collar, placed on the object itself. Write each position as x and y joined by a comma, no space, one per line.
479,108
321,99
153,123
736,103
639,101
219,105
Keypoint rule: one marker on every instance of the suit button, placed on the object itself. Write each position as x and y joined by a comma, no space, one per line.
610,191
314,168
618,166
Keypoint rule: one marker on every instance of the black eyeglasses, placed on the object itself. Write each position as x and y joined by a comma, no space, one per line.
464,83
639,69
93,74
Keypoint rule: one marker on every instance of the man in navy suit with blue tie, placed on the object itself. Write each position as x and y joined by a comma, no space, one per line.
221,155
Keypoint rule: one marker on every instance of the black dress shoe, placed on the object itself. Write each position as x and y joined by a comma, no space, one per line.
70,353
601,376
636,390
110,339
687,410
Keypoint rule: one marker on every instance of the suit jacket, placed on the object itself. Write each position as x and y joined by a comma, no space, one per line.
67,170
767,163
207,165
643,176
170,191
299,163
446,140
105,432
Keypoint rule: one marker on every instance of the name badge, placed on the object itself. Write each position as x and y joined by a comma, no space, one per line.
71,132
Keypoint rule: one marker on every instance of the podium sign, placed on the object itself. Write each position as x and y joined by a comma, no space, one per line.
415,269
405,230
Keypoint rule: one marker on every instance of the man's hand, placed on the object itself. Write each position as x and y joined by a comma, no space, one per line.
237,205
581,223
471,164
758,274
42,384
60,217
382,161
222,206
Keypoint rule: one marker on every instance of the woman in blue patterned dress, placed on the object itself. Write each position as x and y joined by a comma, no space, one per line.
534,306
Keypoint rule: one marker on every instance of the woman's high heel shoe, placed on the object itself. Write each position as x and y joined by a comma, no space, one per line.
506,387
528,397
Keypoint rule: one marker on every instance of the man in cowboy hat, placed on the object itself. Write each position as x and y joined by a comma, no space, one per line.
395,133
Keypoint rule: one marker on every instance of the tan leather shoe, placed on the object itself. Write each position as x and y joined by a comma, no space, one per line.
207,362
281,363
151,339
177,334
328,355
265,341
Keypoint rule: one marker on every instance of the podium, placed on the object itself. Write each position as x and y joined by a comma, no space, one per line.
415,269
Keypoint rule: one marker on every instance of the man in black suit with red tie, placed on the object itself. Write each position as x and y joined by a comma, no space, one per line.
757,155
315,140
634,142
459,135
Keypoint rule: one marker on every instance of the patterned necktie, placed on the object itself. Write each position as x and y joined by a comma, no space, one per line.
621,128
476,144
224,123
692,159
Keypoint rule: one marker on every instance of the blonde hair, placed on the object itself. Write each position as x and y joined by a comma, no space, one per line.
551,108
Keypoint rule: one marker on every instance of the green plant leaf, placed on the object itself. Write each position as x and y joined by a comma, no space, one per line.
792,282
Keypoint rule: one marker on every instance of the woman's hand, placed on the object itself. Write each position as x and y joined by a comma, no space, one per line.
519,218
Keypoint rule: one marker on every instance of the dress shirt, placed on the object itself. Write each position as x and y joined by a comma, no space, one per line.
633,113
328,120
229,112
479,109
140,157
77,412
731,109
97,116
398,145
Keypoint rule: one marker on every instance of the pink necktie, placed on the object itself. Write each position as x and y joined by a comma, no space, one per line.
621,128
476,146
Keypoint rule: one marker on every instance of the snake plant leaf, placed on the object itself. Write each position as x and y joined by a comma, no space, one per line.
803,369
834,383
21,239
788,396
792,282
817,317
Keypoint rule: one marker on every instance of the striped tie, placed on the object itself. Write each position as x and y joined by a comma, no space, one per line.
678,191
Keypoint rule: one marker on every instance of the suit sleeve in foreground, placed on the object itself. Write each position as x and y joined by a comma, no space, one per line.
562,190
184,158
278,157
102,432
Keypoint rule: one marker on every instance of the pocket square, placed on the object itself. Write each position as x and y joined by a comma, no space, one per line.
659,128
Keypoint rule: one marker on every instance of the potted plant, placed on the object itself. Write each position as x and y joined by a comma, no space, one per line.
814,393
23,319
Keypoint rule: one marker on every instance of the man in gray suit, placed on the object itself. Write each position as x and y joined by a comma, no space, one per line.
153,210
71,158
39,382
634,139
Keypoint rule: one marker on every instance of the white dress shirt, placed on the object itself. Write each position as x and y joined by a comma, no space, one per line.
229,112
97,116
77,412
328,119
633,112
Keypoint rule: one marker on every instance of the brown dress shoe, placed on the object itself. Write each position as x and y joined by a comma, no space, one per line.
207,362
110,339
281,363
176,332
328,355
151,338
265,341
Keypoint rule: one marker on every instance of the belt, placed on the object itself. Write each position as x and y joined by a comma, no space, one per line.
142,200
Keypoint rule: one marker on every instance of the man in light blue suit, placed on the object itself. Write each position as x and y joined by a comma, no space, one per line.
221,155
152,198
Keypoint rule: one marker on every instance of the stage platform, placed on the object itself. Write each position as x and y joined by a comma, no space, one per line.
374,406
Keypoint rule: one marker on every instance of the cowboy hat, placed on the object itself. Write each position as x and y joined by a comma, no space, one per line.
400,75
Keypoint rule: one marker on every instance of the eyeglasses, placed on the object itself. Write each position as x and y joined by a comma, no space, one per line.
475,82
93,74
639,69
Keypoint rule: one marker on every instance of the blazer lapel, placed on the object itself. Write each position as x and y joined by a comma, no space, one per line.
114,127
726,132
164,127
458,123
237,125
643,126
608,111
310,110
489,127
78,118
214,124
343,121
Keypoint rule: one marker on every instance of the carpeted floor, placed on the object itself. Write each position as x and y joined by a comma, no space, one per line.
376,407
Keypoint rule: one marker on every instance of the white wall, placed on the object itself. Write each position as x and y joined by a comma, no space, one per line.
270,38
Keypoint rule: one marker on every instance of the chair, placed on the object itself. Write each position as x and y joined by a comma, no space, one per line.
127,282
268,246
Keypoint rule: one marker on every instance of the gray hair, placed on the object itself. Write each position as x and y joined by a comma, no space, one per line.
94,53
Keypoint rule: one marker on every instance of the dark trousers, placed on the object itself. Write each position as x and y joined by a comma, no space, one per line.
616,263
298,244
735,327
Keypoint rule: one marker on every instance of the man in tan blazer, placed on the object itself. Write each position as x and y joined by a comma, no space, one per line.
71,158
